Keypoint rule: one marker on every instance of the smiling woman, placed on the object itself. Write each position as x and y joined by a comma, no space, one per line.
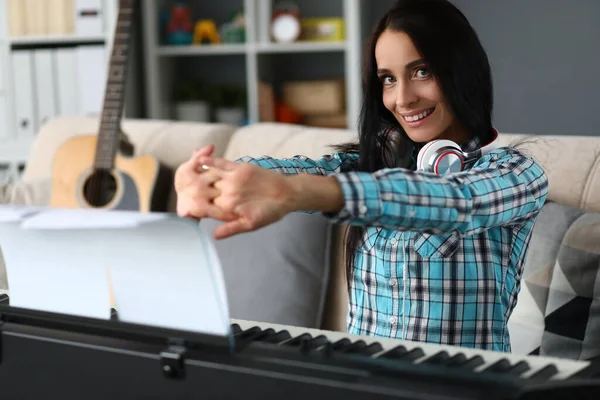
433,253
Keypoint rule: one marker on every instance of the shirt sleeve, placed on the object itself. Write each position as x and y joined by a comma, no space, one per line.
502,188
325,165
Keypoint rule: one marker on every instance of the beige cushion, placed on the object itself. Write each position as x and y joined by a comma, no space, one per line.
572,164
284,140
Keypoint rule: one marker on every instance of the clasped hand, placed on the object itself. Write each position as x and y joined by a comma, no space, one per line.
244,196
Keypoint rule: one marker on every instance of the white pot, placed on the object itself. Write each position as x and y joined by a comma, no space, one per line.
231,116
195,111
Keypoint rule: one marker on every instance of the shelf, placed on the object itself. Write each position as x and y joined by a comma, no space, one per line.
200,50
55,39
300,47
265,48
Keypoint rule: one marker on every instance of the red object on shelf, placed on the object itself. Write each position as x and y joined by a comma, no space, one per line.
181,19
286,114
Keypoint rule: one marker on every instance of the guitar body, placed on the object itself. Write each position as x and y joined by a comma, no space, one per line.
135,183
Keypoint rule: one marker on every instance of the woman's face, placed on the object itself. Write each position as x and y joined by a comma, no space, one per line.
411,93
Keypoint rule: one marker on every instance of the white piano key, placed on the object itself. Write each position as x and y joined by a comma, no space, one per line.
566,367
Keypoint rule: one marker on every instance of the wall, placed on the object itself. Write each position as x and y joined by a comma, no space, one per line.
545,56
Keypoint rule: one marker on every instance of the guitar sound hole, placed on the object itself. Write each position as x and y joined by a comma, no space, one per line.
100,188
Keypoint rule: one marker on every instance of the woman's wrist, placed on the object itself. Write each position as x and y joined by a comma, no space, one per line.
315,193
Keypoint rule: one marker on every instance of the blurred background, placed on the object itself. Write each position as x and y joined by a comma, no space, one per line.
244,61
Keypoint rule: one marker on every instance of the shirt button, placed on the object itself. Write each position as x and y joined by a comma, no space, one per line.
394,241
412,213
392,282
363,209
393,320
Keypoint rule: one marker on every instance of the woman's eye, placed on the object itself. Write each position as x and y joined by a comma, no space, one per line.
422,73
387,80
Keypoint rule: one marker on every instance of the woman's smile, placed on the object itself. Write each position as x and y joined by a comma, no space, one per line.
418,118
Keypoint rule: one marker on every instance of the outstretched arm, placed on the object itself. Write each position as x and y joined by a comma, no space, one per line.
503,188
325,165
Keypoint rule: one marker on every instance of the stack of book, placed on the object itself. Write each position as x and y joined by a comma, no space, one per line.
55,17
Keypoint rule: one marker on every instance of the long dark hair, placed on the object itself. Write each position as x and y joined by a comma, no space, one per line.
454,55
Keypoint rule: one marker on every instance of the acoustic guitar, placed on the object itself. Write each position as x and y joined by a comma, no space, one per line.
99,171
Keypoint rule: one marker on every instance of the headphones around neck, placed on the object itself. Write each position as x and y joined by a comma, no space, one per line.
445,156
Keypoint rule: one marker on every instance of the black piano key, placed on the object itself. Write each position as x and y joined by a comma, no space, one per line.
456,359
400,353
519,368
314,343
545,373
296,341
502,365
396,352
354,347
471,363
319,341
341,344
414,354
248,335
264,334
371,349
278,337
437,358
327,349
235,328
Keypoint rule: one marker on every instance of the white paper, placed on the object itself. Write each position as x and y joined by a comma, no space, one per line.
55,271
89,218
164,278
16,212
164,271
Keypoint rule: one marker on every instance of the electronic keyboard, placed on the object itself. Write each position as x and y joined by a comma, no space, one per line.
536,368
43,354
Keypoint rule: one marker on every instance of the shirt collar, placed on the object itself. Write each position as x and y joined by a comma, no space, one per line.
471,145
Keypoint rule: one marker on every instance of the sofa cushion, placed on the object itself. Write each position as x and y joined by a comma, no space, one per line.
572,163
558,310
279,273
285,140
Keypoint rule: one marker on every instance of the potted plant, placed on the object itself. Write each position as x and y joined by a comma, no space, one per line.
231,104
192,101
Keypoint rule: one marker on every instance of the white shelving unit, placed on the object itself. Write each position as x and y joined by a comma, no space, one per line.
246,63
14,150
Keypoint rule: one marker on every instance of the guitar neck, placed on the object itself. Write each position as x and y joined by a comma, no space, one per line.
114,96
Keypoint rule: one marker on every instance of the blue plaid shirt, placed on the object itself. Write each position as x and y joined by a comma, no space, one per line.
442,257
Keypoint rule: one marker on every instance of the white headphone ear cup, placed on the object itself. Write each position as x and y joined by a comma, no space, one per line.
430,150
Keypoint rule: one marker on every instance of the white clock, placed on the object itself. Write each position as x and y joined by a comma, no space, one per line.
285,28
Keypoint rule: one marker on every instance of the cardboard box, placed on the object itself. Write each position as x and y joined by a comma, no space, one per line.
317,97
327,121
